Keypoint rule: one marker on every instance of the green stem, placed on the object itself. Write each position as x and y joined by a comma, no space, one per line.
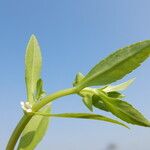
26,118
53,96
17,131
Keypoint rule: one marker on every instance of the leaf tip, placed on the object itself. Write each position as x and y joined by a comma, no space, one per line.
132,80
33,36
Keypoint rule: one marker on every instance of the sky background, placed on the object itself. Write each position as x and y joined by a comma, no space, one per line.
74,35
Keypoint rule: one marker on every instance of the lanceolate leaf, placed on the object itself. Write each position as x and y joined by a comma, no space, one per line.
117,65
119,87
125,111
84,116
34,131
33,63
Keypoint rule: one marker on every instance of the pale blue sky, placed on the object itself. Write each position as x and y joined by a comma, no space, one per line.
74,35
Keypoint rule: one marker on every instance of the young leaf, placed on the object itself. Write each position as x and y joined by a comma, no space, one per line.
39,90
34,131
98,103
119,87
87,100
125,111
78,78
115,94
33,63
83,116
90,98
117,65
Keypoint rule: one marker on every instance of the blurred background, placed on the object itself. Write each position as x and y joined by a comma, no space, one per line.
74,36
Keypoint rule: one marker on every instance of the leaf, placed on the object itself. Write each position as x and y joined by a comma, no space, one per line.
34,131
115,94
117,65
83,116
124,111
98,103
78,78
39,90
33,64
90,98
86,95
87,100
119,87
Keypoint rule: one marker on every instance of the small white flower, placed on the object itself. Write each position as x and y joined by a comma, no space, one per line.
26,106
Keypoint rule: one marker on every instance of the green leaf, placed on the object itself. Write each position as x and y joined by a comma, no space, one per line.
87,100
115,94
124,111
98,103
119,87
117,65
39,90
78,78
83,116
86,95
90,98
34,131
33,64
